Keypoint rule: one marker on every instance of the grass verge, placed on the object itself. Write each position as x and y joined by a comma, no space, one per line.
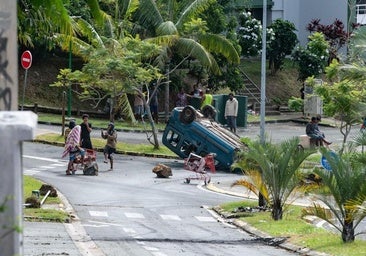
50,210
124,148
99,123
298,231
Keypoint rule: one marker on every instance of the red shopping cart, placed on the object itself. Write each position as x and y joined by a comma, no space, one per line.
200,166
87,164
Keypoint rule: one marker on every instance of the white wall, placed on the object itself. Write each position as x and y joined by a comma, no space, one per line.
301,12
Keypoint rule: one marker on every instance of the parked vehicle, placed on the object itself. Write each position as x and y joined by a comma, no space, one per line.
188,131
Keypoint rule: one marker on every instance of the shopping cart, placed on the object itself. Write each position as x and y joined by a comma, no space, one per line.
88,165
200,166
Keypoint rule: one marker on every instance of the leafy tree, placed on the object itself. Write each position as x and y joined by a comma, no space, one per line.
312,60
274,173
250,35
335,34
282,45
342,98
346,183
121,67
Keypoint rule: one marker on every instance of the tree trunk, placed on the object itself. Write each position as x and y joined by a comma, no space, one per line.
261,200
277,210
151,120
348,232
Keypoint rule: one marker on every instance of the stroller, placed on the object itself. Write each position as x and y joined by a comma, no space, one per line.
200,166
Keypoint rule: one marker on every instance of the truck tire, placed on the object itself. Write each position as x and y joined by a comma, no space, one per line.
188,115
209,111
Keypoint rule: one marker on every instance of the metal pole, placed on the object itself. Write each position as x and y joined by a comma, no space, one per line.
25,84
69,91
263,73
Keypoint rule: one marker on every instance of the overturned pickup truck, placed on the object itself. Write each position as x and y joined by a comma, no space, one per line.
190,131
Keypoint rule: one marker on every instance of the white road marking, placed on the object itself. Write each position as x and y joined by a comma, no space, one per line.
129,230
98,214
31,172
170,217
42,158
205,219
158,254
150,248
134,215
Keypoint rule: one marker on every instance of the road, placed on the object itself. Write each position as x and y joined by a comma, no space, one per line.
275,132
129,211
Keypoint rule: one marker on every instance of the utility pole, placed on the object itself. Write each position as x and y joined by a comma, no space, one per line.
263,73
15,126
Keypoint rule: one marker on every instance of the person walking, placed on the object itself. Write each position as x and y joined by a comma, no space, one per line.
73,149
231,112
68,130
110,148
138,105
86,128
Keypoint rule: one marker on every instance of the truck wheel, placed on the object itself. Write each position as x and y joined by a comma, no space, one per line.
188,115
209,111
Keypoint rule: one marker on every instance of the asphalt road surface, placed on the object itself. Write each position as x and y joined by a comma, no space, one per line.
129,211
275,132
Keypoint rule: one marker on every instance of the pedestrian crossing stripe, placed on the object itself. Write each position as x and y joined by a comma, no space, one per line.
170,217
98,214
134,215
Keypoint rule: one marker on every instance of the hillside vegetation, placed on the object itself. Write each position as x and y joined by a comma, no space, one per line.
279,87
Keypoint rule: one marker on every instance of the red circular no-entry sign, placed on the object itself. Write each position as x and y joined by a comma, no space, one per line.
26,59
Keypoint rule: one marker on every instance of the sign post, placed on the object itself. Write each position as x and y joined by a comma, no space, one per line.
26,61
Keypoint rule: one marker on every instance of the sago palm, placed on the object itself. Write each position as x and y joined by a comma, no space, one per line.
346,203
274,171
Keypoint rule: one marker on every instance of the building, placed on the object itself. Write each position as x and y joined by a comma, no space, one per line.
301,12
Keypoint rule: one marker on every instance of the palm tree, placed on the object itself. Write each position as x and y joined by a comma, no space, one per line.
346,182
274,172
41,19
176,39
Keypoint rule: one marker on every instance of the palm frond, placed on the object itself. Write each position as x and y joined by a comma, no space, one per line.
195,8
322,213
148,15
126,108
166,28
194,49
85,29
219,44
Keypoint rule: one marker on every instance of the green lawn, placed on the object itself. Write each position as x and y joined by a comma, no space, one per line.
49,211
298,231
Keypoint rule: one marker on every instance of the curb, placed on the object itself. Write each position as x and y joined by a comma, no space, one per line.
271,240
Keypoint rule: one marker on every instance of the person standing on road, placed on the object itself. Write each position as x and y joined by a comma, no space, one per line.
231,112
110,148
86,128
73,149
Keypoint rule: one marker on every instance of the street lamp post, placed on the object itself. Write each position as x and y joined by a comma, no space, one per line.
69,89
263,73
